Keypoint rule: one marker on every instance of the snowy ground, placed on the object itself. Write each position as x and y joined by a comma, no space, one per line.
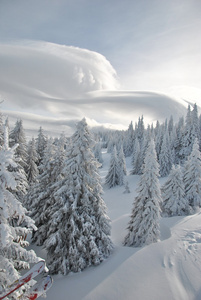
169,269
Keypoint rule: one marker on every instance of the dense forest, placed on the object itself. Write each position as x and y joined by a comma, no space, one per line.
51,188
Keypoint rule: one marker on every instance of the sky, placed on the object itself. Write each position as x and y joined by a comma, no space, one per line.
63,51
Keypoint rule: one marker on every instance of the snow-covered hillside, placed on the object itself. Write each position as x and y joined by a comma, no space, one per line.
169,269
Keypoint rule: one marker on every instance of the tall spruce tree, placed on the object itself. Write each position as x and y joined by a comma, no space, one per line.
136,167
98,153
41,143
143,227
59,155
192,178
144,145
79,229
187,137
38,196
17,137
165,157
122,165
179,130
14,222
173,194
113,177
129,139
1,130
32,169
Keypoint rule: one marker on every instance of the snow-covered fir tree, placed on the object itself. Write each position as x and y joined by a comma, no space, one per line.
195,123
174,202
187,138
199,130
110,145
136,167
159,131
17,137
79,229
140,130
122,165
144,145
14,222
39,195
192,178
165,156
129,139
59,155
98,153
32,169
143,227
114,175
1,130
177,143
127,189
41,142
170,125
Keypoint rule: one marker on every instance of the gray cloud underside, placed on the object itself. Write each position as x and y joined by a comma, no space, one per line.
112,109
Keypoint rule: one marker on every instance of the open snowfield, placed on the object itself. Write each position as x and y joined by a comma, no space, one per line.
169,269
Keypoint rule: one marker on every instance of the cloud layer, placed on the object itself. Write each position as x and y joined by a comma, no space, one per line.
46,69
54,86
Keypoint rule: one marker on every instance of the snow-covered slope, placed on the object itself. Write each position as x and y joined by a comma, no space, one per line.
169,269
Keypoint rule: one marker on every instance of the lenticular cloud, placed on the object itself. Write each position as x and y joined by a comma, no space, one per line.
54,86
36,71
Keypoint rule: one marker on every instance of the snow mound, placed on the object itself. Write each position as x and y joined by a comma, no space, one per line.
169,269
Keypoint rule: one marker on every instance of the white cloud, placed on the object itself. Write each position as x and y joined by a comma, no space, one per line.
54,86
35,68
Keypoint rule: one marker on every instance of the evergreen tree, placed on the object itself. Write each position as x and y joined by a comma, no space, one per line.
1,130
192,178
98,153
165,157
199,132
140,130
114,175
195,124
170,125
129,140
173,194
41,143
145,142
13,219
79,229
110,145
122,165
136,167
179,129
17,137
143,227
187,140
39,195
32,169
172,138
127,189
59,155
159,131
